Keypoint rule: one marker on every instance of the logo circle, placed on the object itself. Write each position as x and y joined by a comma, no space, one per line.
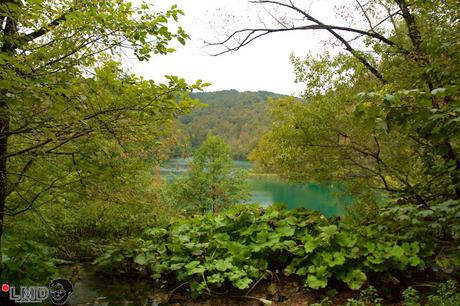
60,290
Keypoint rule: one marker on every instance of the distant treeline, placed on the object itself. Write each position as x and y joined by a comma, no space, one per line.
240,118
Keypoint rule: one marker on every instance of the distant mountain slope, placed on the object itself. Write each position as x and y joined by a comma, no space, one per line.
240,118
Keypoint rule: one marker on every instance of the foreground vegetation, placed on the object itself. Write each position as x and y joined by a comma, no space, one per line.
249,243
211,254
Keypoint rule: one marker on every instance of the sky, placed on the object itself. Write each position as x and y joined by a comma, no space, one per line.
262,65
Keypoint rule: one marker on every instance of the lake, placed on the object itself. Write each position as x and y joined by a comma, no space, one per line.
267,190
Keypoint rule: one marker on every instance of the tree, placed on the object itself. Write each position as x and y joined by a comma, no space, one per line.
381,114
211,182
68,113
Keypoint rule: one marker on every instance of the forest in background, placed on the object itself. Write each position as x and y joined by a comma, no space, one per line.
239,118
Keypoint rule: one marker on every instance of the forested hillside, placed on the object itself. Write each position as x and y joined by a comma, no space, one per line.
240,118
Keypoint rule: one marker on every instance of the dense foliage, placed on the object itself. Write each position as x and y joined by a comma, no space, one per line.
384,122
239,118
248,243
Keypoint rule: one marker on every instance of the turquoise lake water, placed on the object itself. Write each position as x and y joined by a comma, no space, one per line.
268,190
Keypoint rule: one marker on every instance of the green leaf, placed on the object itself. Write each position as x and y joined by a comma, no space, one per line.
140,259
194,267
389,98
243,283
311,244
215,278
425,213
346,239
223,265
315,283
301,271
286,230
337,259
355,279
397,251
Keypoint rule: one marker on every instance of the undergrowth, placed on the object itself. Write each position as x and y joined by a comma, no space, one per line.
247,244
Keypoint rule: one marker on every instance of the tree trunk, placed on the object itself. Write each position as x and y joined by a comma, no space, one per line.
10,30
4,128
215,198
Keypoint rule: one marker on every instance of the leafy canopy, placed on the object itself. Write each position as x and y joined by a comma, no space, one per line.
71,116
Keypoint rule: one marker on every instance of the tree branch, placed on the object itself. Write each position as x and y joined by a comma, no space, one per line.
255,33
30,202
414,33
21,175
47,28
365,15
330,27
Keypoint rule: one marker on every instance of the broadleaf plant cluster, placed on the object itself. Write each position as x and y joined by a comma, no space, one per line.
247,244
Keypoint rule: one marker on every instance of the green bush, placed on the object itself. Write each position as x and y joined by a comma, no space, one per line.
436,227
80,231
411,297
27,262
248,243
368,296
447,294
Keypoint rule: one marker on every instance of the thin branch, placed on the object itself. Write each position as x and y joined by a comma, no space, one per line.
273,16
302,28
365,15
388,9
348,47
21,175
32,201
390,16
